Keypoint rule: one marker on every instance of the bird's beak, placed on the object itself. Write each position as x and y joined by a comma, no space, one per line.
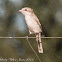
20,10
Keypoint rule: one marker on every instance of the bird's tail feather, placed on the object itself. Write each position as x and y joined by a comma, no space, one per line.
38,39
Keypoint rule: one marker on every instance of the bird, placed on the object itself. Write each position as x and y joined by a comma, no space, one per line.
33,25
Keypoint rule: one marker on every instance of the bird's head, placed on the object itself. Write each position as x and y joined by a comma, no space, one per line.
26,11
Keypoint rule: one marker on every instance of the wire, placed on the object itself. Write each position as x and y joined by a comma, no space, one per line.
33,49
32,37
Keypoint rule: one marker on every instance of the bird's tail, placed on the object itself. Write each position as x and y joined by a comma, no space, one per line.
38,39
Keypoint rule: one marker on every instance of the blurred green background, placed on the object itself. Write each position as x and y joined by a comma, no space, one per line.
12,23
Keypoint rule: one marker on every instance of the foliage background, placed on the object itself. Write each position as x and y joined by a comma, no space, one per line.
12,23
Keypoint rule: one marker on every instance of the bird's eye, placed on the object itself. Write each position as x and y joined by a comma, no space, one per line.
25,9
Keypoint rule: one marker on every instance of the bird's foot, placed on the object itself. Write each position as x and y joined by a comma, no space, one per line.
26,37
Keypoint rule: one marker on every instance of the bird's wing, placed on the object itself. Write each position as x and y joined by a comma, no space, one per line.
36,19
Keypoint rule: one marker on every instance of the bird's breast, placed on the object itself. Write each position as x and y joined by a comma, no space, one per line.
30,21
32,24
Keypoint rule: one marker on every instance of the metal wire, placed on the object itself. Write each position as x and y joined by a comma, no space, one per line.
31,37
30,44
33,50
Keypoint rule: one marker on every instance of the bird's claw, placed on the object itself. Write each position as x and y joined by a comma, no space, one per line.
27,37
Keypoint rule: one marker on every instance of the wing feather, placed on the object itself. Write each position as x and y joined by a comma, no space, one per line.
36,19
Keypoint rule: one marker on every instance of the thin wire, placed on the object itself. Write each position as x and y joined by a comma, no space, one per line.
32,37
30,44
33,50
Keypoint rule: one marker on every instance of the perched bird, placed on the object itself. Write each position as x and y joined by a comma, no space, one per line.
33,25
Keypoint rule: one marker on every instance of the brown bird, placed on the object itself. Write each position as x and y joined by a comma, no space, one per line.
33,25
